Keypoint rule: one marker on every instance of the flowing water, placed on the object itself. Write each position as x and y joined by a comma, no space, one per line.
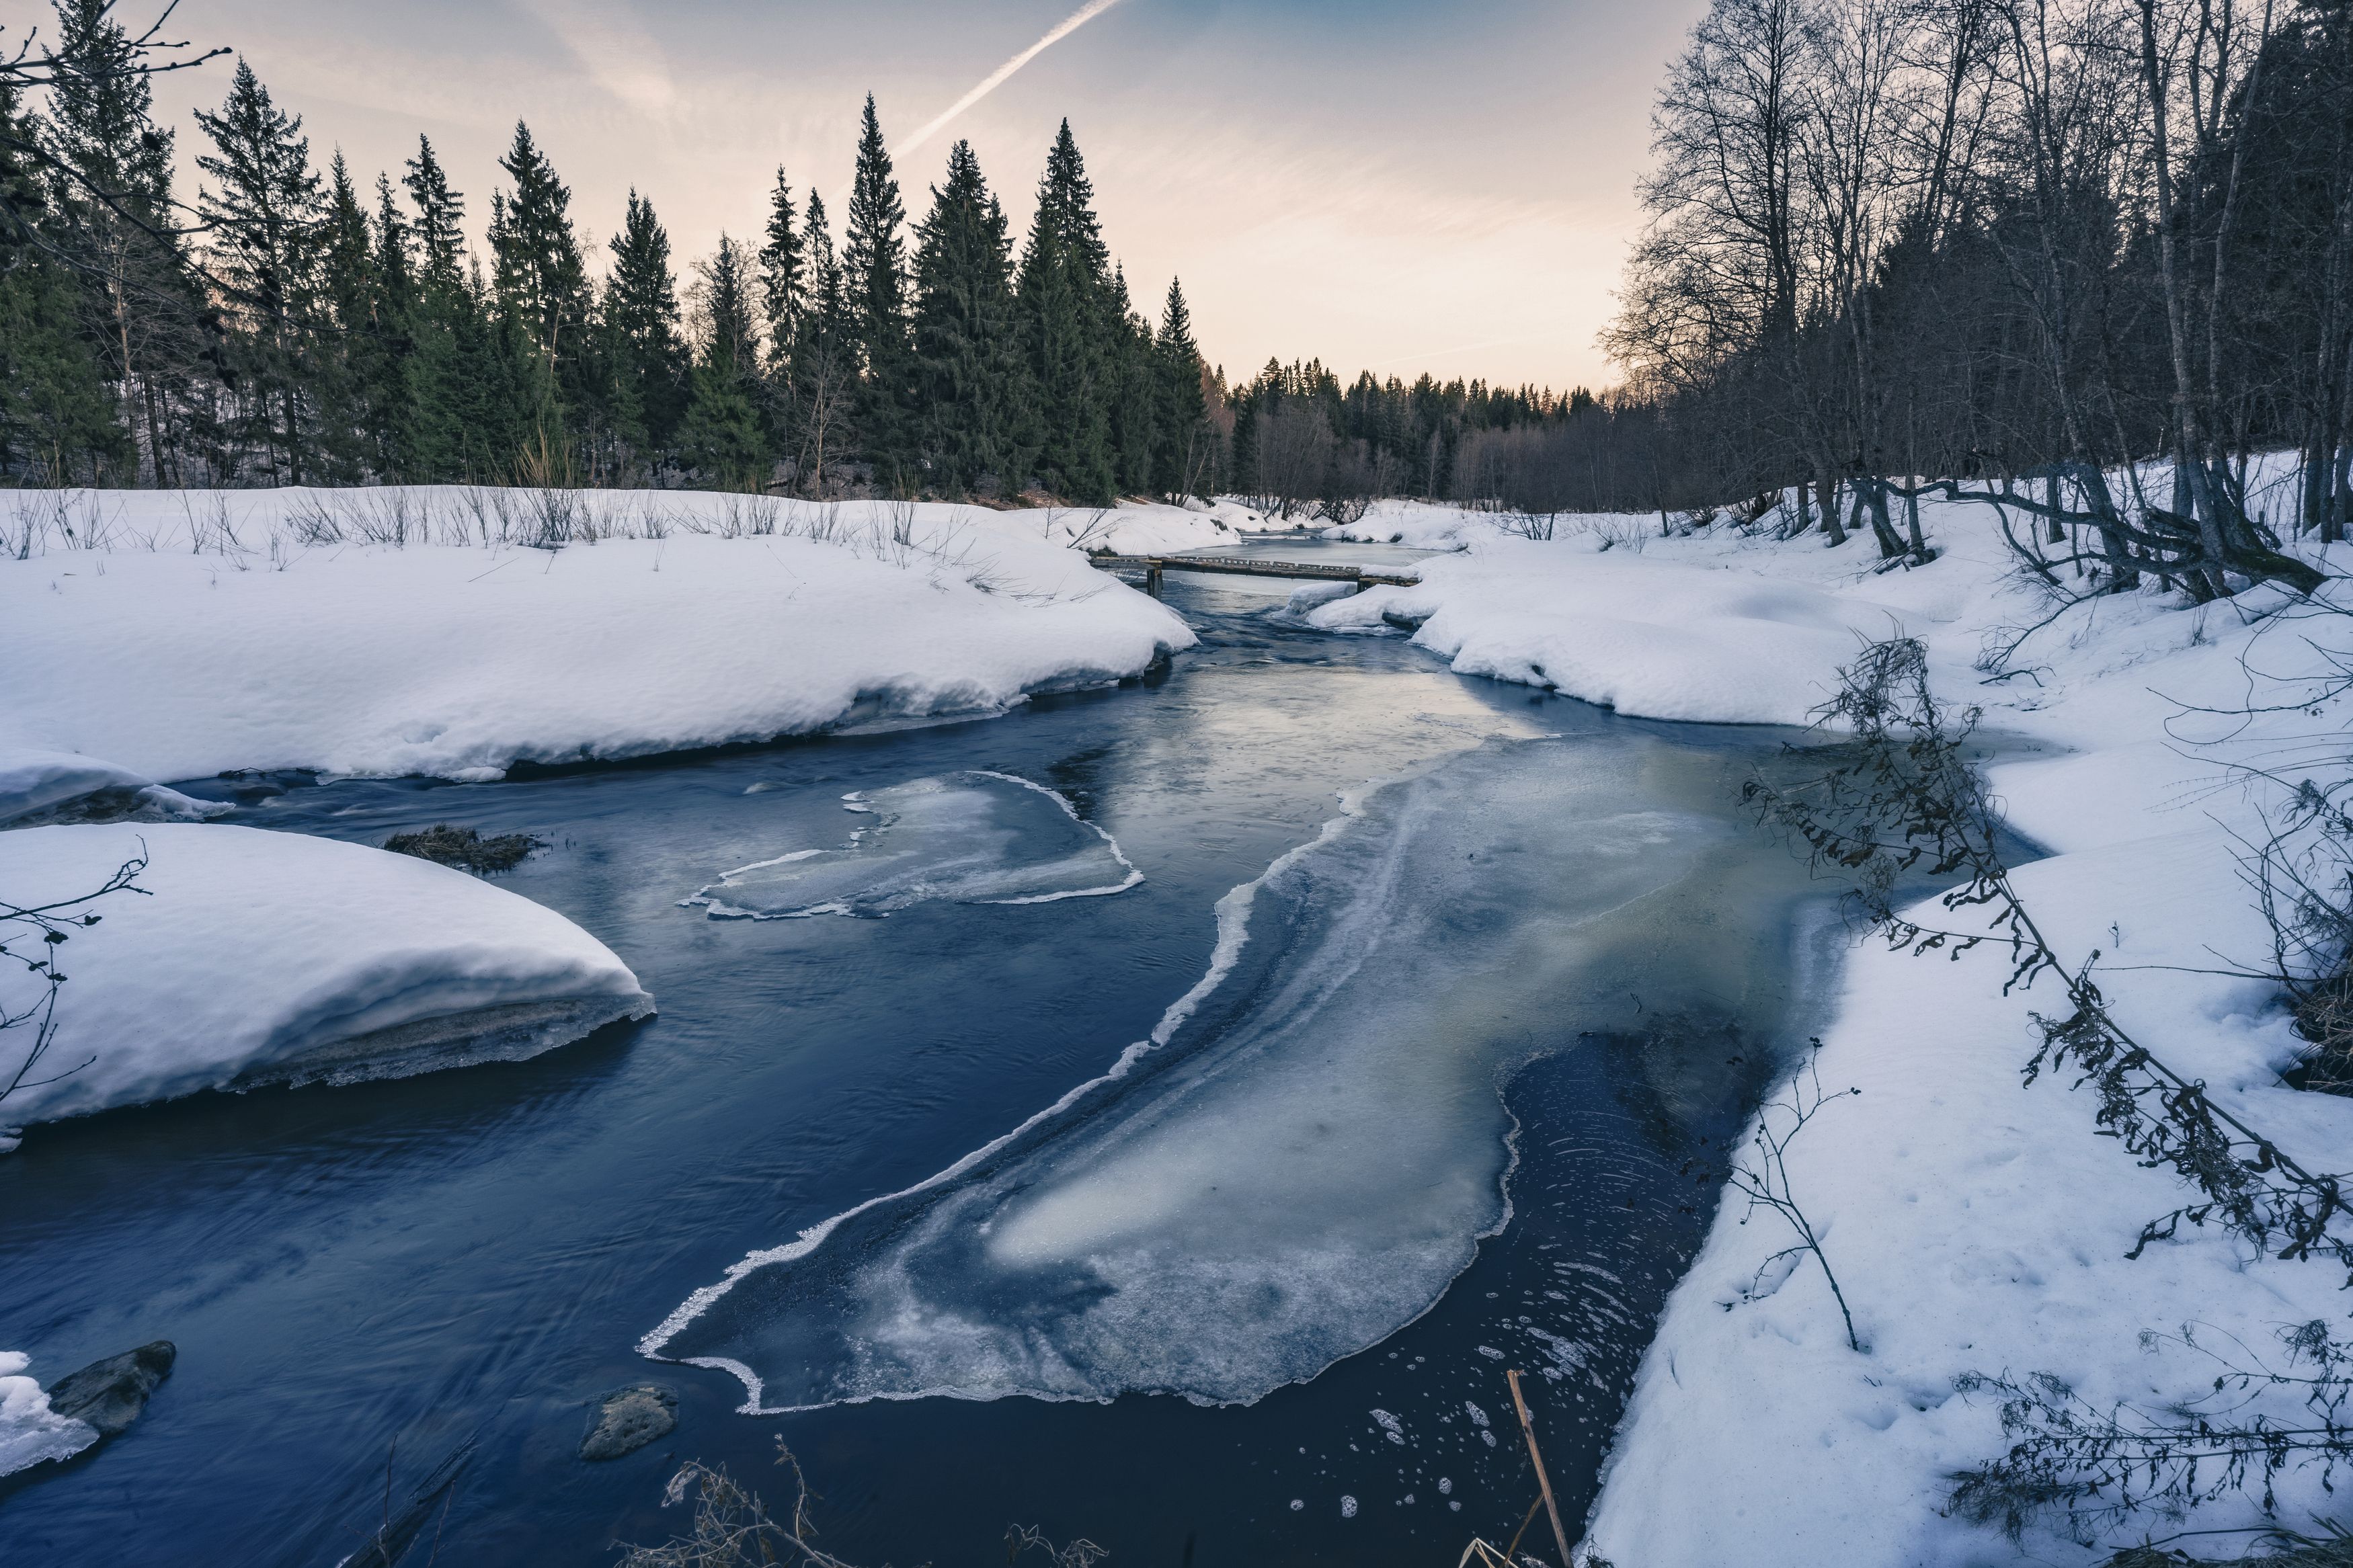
1159,1115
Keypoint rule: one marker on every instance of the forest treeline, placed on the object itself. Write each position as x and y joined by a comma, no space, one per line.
289,324
2018,244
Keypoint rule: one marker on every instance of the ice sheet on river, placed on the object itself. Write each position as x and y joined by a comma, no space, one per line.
976,837
1312,1143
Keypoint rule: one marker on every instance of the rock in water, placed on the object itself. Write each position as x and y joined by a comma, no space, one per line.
629,1418
110,1394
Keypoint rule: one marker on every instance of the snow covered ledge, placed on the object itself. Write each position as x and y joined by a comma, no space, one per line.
254,957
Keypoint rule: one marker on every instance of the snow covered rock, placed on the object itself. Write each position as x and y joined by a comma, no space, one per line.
39,785
251,957
31,1433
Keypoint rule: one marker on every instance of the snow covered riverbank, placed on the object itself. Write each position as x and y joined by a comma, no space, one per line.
1975,1225
352,631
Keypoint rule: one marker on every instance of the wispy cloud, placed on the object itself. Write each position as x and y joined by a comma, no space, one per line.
618,53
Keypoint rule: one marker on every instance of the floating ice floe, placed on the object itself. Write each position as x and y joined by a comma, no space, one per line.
973,837
245,957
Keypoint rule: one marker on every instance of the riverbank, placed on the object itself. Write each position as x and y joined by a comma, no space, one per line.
1976,1226
177,635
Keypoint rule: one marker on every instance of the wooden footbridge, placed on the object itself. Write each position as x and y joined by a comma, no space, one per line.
1358,578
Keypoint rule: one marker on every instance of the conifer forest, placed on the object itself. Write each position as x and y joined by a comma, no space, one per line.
288,323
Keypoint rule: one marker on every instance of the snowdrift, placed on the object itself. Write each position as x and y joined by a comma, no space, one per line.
256,957
350,632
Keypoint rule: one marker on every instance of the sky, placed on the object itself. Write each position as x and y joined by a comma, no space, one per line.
1393,184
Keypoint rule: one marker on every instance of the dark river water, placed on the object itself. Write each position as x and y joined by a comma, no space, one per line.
1427,1100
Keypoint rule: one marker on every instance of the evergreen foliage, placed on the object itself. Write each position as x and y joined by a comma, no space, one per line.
1064,288
969,378
647,350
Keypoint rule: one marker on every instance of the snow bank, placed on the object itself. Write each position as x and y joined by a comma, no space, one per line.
30,1431
352,632
1975,1225
256,957
1655,638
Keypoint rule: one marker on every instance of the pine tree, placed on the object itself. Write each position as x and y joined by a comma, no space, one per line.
1181,468
641,307
967,337
1064,288
720,439
264,210
875,268
783,286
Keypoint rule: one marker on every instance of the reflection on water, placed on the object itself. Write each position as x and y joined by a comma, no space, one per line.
406,1264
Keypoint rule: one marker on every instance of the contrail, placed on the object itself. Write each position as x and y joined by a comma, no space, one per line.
995,79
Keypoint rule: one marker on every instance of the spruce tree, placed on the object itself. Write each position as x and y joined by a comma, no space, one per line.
783,285
1135,386
137,301
541,286
967,337
57,421
440,219
345,357
874,269
1181,468
264,210
722,439
1064,288
820,381
641,307
539,277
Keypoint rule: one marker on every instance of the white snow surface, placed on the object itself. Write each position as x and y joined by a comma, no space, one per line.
1977,1225
276,957
183,634
30,1431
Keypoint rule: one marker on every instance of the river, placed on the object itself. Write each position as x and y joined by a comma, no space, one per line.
1435,1094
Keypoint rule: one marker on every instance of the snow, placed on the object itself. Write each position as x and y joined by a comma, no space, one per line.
34,782
286,629
1975,1223
256,957
30,1431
